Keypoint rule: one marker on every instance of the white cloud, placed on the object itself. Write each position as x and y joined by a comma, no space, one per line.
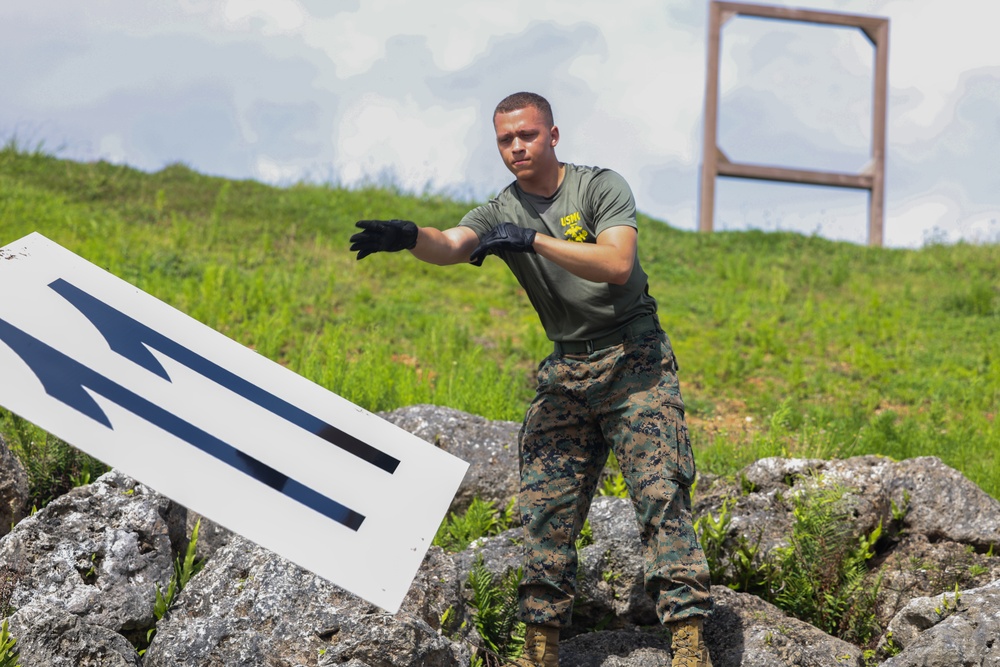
275,16
112,147
275,171
931,42
281,89
350,48
456,30
415,147
930,217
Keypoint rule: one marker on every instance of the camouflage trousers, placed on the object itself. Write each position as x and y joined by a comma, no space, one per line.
626,398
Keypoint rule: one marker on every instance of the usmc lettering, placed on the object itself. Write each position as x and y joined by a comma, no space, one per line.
570,219
573,231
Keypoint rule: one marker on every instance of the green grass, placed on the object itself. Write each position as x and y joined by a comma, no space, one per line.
830,349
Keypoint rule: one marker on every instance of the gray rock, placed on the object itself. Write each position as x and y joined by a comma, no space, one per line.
611,594
211,536
948,630
946,518
48,636
935,500
916,567
438,590
14,492
490,448
869,493
500,554
773,473
249,606
610,586
97,552
761,501
944,504
633,647
940,502
746,631
743,631
83,570
610,581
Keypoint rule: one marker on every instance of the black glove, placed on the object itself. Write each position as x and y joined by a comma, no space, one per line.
383,236
505,236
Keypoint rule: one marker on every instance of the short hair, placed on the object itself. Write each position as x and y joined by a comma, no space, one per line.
523,100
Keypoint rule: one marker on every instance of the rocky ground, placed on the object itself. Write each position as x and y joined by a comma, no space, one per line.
80,574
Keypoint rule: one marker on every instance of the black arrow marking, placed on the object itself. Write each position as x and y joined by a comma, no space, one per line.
67,380
132,339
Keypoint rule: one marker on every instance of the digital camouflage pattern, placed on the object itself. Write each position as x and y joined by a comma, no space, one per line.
626,397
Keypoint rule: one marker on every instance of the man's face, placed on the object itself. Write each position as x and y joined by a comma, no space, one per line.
527,143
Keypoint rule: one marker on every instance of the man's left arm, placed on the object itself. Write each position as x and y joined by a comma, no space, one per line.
609,260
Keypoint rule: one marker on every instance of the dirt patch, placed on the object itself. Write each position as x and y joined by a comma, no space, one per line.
730,418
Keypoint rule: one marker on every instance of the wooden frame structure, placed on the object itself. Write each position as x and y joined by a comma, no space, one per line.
714,161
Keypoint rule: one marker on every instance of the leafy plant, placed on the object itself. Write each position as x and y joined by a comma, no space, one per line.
977,570
819,575
449,624
713,530
586,537
8,647
746,486
53,466
184,569
947,608
614,485
495,601
751,571
975,298
481,519
899,513
891,648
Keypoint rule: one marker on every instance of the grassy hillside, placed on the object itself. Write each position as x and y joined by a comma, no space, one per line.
788,345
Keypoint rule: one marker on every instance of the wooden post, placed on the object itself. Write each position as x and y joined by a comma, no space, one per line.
709,152
715,163
876,199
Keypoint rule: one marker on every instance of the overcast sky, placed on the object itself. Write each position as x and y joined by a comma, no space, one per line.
348,91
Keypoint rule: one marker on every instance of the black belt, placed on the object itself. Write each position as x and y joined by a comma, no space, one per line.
633,329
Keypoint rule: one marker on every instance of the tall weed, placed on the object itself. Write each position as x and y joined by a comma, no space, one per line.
818,576
8,647
480,519
495,601
53,466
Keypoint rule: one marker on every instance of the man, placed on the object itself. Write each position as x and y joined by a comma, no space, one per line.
569,234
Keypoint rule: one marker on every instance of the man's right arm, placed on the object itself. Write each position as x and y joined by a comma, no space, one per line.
450,246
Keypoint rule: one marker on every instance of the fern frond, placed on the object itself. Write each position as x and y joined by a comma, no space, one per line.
8,647
496,604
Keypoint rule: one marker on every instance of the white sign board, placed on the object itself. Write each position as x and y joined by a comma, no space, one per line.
215,426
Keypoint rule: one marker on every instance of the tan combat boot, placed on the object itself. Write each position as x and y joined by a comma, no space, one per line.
541,647
688,644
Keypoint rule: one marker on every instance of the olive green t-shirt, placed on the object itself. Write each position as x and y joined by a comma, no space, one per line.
589,201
